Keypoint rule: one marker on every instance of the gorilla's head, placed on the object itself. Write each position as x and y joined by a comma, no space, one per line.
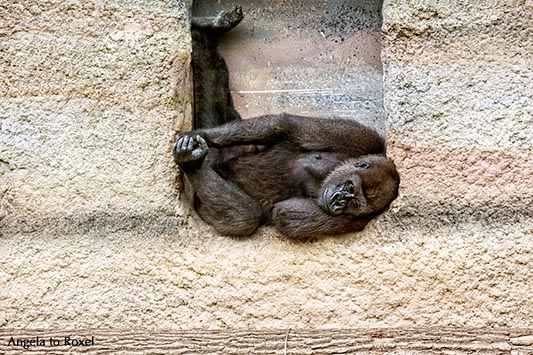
360,187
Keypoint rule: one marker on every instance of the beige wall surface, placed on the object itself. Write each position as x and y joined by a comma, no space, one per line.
92,94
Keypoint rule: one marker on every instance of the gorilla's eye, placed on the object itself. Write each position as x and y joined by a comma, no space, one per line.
363,165
350,189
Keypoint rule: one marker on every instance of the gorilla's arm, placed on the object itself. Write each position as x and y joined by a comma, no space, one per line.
263,130
219,202
308,133
300,218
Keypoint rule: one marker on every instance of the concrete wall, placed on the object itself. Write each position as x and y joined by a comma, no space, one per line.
92,94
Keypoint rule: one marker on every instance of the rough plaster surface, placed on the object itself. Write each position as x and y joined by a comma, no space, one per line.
86,111
90,237
458,90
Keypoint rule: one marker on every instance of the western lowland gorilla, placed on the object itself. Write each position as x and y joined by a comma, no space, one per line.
306,176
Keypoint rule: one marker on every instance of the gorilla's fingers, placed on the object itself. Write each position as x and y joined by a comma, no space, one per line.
190,144
201,142
180,143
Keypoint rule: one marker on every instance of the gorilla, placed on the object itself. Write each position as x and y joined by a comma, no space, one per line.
306,176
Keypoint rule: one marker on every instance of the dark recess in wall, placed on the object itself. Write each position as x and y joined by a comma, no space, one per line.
314,58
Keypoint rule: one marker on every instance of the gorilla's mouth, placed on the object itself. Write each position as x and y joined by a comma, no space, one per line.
336,197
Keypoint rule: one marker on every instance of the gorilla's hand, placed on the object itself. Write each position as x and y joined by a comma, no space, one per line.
336,198
190,150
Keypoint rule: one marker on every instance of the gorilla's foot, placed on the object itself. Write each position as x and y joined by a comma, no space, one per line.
190,150
223,22
226,20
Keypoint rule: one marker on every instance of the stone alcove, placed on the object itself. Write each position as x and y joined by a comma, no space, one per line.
311,58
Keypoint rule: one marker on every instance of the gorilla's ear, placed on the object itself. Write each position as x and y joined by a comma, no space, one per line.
363,165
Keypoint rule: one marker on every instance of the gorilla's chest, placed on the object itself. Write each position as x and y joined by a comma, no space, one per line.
310,169
279,173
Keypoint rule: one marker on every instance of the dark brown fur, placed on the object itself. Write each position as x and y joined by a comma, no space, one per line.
306,176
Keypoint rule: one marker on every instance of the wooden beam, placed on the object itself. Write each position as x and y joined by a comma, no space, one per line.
373,341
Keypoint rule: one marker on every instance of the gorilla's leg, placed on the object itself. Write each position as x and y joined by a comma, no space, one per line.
224,205
219,202
213,105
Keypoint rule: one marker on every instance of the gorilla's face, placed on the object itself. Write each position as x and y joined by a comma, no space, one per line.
360,187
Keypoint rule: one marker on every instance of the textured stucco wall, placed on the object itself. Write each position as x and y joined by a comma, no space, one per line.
91,97
87,109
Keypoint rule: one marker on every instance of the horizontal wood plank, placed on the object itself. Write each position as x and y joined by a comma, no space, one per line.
372,341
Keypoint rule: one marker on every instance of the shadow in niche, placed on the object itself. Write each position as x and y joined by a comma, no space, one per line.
312,58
